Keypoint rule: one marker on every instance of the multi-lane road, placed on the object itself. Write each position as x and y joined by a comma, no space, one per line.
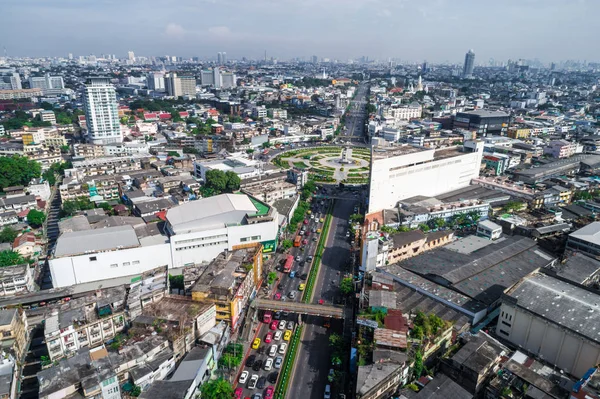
355,118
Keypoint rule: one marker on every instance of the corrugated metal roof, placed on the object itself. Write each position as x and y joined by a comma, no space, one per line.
90,241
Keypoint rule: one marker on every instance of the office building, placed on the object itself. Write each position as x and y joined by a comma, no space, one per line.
554,320
219,58
403,171
131,56
156,81
482,121
228,80
469,64
177,86
101,114
207,78
314,59
47,83
11,81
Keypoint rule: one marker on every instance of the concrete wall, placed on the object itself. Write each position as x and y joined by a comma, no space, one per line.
107,265
387,187
572,353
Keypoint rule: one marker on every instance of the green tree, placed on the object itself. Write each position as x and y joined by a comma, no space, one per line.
176,281
347,286
336,340
173,154
249,151
436,323
356,218
216,389
8,234
423,227
422,320
436,223
18,170
233,181
69,208
418,367
583,195
36,218
512,206
271,277
46,105
371,108
10,258
216,180
287,244
266,144
417,332
474,216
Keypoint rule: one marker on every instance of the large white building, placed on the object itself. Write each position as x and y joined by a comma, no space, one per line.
242,166
101,114
202,229
156,81
553,320
403,171
47,83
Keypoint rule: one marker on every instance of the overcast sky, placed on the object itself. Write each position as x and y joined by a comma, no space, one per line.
413,30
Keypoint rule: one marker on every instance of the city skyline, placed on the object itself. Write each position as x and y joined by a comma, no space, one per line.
380,29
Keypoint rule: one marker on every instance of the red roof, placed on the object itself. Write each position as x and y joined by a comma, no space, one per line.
24,239
23,213
81,118
165,116
184,114
213,112
396,90
162,215
395,321
150,115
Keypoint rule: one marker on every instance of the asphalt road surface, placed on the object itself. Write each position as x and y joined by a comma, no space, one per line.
314,358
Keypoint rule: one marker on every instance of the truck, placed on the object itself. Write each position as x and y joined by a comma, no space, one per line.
297,241
289,262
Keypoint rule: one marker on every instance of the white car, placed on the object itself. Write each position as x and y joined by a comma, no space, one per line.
244,377
273,350
327,394
277,336
253,381
268,364
282,348
281,324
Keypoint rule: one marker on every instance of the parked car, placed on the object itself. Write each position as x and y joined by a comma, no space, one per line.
256,343
243,377
278,362
273,350
274,325
287,335
261,382
327,394
290,325
282,348
273,376
250,360
257,365
268,364
277,336
269,392
253,381
277,314
268,338
281,325
238,393
292,294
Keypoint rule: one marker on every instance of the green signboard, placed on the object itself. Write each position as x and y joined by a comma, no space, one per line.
269,246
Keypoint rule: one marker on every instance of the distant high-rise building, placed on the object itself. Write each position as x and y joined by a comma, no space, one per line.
314,59
228,80
156,81
224,57
469,64
207,78
217,77
178,86
11,81
188,85
425,67
219,58
131,56
47,83
101,113
70,56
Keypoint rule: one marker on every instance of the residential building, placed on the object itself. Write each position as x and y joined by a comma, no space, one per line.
10,375
228,80
482,121
400,112
178,86
560,149
259,112
402,171
207,78
554,320
188,86
230,281
518,133
438,387
19,94
277,113
202,229
412,212
101,114
586,240
11,81
27,245
380,380
217,82
48,84
14,332
48,116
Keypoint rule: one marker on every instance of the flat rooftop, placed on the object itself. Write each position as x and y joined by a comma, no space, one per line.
90,241
559,302
589,233
381,152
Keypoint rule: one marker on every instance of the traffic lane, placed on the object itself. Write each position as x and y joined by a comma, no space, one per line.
312,361
336,253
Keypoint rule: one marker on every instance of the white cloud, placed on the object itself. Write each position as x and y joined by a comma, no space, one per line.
175,31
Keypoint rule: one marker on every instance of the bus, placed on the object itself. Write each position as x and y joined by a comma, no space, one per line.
297,241
289,261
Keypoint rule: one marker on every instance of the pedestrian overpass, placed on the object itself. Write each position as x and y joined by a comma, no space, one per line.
300,308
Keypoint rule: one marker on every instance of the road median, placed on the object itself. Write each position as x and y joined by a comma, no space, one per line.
314,270
288,365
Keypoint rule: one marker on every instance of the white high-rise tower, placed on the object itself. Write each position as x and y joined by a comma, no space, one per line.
101,114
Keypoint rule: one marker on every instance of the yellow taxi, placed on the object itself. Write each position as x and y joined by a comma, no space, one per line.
318,231
256,343
301,287
287,335
321,220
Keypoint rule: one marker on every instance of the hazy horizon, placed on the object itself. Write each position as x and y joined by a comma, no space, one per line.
409,30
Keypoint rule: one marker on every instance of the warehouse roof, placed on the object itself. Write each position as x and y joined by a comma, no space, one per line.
577,267
90,241
485,273
589,233
560,302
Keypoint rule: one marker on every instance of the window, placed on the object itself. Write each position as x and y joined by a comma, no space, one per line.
506,324
93,259
503,332
113,265
136,262
126,263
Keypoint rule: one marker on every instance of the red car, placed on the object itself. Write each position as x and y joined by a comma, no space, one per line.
238,393
269,393
273,325
305,221
277,296
268,338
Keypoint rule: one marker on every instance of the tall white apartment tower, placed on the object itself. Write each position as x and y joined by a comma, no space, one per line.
217,78
101,114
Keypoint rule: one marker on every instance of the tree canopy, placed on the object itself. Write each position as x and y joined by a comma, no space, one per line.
10,258
8,234
18,171
216,389
219,181
347,286
36,218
